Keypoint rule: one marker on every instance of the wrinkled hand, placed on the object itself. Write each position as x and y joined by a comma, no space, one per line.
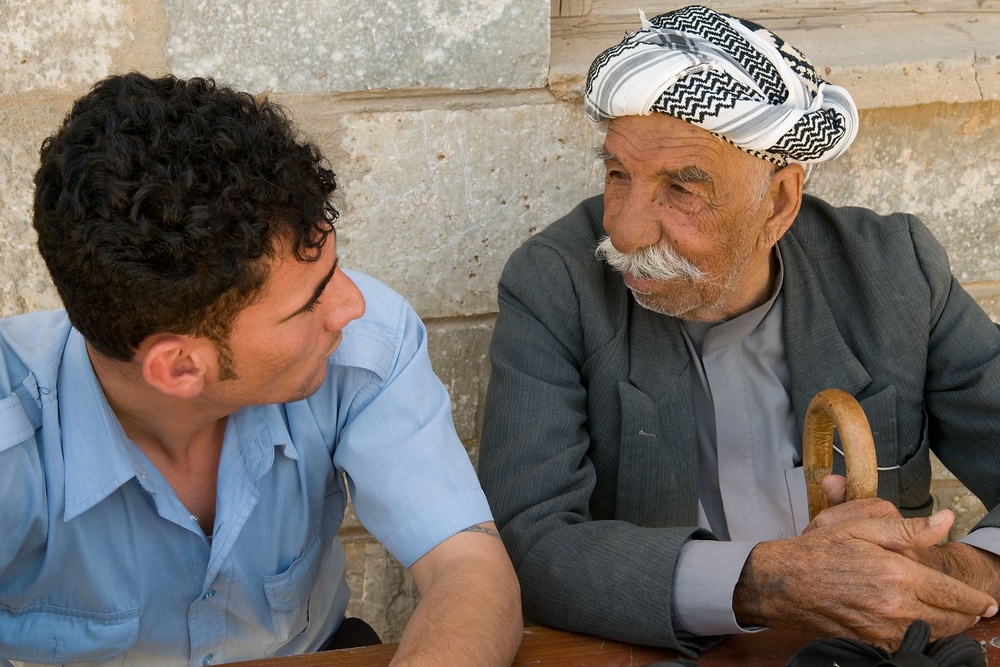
975,567
856,510
851,574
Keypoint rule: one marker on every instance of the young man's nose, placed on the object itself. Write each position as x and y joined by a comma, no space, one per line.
348,304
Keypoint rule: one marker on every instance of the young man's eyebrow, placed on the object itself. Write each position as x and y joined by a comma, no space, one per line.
316,292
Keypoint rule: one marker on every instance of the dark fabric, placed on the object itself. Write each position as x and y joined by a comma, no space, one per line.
589,454
352,633
915,651
837,651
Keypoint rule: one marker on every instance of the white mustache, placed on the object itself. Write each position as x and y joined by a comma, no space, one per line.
656,262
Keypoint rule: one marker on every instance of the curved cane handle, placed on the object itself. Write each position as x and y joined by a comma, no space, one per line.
835,408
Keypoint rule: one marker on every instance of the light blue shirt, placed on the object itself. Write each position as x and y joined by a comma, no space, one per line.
100,564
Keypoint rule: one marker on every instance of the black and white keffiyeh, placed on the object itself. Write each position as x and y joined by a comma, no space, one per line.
728,76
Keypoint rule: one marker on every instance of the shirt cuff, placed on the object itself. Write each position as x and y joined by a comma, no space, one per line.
704,580
987,539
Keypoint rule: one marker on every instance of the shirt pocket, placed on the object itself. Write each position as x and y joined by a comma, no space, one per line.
795,480
16,423
50,635
288,592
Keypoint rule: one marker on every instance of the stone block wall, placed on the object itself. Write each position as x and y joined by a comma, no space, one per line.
456,131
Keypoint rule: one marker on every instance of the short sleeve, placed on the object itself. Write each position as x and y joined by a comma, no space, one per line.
411,480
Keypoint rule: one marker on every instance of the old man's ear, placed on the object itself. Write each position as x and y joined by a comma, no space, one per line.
785,193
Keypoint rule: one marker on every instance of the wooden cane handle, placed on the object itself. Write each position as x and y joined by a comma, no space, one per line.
835,408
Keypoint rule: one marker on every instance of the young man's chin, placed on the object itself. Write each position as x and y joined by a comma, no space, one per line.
312,387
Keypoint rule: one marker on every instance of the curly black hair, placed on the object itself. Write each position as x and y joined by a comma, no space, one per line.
159,202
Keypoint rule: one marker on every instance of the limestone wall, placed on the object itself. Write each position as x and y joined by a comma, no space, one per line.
455,129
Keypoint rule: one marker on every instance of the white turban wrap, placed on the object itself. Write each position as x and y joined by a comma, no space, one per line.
726,75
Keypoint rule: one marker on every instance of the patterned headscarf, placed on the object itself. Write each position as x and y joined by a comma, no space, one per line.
726,75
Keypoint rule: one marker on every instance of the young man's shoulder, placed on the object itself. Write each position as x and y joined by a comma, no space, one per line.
32,342
38,326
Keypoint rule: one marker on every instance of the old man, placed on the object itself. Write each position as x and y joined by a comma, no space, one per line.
656,349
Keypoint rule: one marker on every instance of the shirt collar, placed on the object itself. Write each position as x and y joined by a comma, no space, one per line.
98,455
254,432
97,462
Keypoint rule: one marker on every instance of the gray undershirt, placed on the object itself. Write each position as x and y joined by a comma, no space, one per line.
741,369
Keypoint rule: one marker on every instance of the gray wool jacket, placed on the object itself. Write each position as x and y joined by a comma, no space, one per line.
594,511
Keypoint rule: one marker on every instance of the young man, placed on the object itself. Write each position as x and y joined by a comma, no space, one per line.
176,447
656,350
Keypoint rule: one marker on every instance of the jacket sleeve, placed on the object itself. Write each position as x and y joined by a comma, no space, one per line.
962,391
605,577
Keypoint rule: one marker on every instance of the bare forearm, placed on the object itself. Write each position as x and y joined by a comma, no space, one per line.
463,626
471,615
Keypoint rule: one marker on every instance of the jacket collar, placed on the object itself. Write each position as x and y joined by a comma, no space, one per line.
818,356
659,357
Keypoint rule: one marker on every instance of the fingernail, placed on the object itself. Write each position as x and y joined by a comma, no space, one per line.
937,518
991,611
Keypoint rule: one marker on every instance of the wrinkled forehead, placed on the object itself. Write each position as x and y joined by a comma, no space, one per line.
666,143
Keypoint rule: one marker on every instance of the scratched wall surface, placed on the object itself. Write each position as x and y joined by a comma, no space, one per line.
24,284
438,198
938,161
44,47
455,137
350,45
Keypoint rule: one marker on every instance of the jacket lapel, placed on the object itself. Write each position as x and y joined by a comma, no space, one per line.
658,465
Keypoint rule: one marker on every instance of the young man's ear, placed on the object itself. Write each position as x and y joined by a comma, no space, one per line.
785,193
176,365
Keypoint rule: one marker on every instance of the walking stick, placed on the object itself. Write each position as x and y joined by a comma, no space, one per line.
835,408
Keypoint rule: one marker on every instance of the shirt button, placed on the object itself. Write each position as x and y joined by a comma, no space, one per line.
208,659
208,594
